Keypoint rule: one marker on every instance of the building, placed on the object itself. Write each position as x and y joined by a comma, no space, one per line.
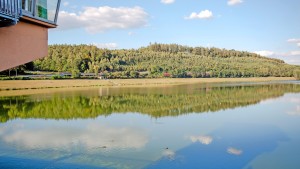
24,28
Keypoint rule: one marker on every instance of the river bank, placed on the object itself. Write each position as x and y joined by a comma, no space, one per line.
20,87
42,84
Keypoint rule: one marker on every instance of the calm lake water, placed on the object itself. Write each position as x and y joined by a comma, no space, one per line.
217,126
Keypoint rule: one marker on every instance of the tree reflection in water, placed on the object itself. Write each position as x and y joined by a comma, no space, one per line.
156,103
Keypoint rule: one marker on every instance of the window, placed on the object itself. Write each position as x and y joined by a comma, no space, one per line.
27,5
45,10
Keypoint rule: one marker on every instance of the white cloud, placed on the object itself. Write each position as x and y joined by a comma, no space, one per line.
292,61
271,53
167,1
234,151
265,53
202,139
234,2
66,3
74,6
92,136
131,33
291,57
294,53
106,45
294,40
206,14
104,18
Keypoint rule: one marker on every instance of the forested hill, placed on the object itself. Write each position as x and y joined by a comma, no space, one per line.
161,60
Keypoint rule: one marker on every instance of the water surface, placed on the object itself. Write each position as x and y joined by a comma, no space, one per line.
250,126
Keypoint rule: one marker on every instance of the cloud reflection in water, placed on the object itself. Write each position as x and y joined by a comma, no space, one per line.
202,139
234,151
170,154
295,113
89,137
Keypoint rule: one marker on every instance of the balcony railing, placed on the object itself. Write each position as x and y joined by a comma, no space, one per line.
10,12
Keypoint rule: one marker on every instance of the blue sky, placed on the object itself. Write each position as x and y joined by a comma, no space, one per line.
268,27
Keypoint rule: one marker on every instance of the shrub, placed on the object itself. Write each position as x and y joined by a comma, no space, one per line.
297,74
56,77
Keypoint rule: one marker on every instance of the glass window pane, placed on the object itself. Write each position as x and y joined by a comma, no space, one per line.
27,5
41,9
46,9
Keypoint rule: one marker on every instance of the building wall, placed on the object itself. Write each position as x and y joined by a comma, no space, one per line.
22,43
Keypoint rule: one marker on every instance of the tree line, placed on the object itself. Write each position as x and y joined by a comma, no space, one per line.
160,60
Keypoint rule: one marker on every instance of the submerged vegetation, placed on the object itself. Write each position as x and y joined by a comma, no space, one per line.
160,60
173,101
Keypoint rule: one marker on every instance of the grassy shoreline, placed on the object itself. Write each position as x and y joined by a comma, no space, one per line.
42,84
17,86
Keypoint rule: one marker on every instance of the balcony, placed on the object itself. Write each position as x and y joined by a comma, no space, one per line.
10,12
42,12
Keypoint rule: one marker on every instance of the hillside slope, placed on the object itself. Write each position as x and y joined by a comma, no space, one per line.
162,60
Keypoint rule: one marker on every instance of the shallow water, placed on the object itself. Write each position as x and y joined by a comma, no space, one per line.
250,126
